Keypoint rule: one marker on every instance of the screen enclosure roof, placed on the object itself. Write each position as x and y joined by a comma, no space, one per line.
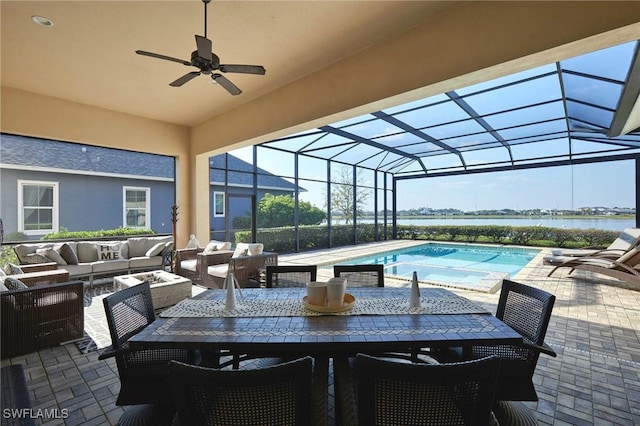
580,110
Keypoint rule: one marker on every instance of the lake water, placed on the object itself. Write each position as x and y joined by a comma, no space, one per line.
556,222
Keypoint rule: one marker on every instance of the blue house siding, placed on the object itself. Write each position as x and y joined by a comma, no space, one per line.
87,203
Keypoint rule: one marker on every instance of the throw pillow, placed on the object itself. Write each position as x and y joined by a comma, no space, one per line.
12,269
13,284
155,250
87,252
35,258
240,253
68,254
52,255
211,247
109,251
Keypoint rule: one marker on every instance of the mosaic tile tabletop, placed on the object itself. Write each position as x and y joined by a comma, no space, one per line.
325,333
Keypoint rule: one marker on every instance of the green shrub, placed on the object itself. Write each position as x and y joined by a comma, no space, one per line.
65,234
282,240
7,255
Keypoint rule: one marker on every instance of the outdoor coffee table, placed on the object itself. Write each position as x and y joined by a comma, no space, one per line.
167,289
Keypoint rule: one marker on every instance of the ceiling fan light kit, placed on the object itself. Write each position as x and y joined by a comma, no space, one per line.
208,62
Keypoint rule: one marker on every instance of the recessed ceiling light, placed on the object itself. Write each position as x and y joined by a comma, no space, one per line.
41,20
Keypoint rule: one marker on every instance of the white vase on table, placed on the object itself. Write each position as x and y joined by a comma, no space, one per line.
414,300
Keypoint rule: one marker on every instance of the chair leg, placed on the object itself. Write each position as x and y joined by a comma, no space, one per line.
319,391
345,398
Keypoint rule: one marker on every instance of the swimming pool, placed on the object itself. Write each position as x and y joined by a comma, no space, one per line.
472,267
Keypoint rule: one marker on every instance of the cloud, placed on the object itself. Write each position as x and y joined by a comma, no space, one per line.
454,185
388,134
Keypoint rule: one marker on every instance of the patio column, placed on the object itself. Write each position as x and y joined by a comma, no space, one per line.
200,198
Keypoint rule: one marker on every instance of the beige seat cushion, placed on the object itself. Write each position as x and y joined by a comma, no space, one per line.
79,270
145,262
189,265
220,271
110,265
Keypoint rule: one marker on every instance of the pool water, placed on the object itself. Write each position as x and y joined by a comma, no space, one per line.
467,266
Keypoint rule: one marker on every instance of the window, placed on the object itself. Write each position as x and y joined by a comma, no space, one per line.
218,204
136,207
38,207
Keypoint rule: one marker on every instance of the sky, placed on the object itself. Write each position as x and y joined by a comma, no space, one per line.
569,187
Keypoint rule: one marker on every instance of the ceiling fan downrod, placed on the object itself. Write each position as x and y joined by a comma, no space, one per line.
205,16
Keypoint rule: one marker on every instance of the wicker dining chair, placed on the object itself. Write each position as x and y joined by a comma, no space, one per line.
361,275
386,392
143,374
527,310
278,395
291,275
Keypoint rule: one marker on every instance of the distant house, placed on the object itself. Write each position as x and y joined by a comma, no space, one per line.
46,185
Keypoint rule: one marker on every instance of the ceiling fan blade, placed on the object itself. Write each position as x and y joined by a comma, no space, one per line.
243,69
222,81
166,58
204,47
185,78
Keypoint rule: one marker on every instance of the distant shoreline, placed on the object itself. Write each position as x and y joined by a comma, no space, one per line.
584,217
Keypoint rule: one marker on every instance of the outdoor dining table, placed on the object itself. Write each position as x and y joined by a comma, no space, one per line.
275,322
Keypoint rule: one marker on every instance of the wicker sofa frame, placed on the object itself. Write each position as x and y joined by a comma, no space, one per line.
42,315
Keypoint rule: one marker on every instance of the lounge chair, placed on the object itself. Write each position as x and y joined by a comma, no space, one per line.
625,268
628,239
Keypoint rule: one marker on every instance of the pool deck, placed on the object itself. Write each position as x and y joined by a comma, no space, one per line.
595,329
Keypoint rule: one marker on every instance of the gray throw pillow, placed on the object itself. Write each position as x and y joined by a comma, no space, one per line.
35,258
68,254
12,269
13,284
51,254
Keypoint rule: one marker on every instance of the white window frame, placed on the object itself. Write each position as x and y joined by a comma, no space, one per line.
147,203
55,208
217,194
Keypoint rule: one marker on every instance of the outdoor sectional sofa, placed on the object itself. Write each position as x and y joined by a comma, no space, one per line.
92,259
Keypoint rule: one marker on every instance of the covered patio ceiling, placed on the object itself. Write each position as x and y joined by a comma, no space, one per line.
579,110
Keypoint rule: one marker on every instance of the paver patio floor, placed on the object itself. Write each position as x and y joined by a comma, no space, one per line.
595,329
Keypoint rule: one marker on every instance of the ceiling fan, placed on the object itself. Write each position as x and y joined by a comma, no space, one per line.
208,62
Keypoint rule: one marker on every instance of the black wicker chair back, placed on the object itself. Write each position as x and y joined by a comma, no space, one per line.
361,275
528,311
291,276
392,393
143,374
278,395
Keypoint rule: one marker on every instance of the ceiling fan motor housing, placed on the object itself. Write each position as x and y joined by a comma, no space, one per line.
205,65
